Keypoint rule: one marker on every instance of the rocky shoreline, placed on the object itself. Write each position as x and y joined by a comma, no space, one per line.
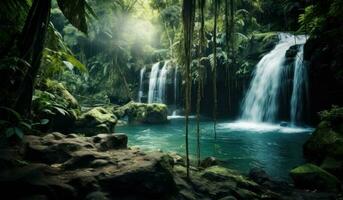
58,166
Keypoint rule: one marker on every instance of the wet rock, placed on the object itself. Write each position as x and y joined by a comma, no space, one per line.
208,162
259,176
105,142
245,194
325,146
292,51
97,196
99,163
81,161
312,177
84,185
177,159
49,150
283,124
33,181
149,179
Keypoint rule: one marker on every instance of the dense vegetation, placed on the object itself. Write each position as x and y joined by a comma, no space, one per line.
74,66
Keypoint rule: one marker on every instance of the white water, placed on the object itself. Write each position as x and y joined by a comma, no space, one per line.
260,103
158,82
300,87
162,83
153,82
259,127
175,86
140,92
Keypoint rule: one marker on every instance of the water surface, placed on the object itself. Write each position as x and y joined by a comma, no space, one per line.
241,145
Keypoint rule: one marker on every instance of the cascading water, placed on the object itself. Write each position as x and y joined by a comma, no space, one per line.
261,103
162,83
300,87
175,85
153,82
158,82
141,76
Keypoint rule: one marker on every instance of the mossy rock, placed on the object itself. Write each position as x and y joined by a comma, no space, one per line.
218,173
96,120
312,177
326,142
58,89
147,113
60,112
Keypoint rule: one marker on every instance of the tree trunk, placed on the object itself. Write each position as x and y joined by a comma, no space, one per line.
188,24
31,47
215,68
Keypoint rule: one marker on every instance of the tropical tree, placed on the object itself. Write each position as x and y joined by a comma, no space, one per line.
30,44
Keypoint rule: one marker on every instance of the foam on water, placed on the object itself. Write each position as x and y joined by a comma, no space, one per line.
259,127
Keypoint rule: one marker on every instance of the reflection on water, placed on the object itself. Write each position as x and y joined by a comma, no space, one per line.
242,145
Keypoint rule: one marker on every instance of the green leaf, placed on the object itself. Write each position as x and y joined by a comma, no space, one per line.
14,131
44,121
12,112
26,125
75,62
61,110
9,132
19,132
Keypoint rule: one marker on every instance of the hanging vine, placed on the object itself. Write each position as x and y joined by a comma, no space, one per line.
215,103
188,11
201,4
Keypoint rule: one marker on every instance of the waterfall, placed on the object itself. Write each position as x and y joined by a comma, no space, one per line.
300,87
153,82
162,83
157,83
175,85
261,101
141,76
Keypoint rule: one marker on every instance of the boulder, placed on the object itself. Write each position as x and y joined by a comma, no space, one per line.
152,179
33,181
105,142
50,150
292,51
75,151
325,146
259,176
61,113
61,92
96,120
208,162
309,176
147,113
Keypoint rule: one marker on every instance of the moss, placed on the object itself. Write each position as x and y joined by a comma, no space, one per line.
266,37
229,174
147,113
58,89
96,120
327,140
310,176
100,114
